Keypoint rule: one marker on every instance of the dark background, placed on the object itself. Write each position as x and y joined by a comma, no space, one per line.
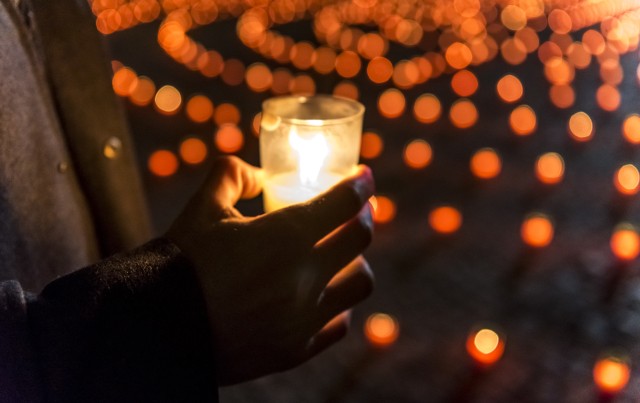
560,308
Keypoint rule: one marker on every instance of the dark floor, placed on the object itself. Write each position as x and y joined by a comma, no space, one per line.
560,308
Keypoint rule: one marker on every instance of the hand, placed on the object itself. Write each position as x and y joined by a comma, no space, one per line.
279,286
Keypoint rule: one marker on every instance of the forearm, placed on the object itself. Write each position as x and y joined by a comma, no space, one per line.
131,328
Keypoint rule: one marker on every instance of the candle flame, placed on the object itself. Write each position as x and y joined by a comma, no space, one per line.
312,152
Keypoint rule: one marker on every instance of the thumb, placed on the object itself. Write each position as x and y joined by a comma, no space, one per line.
229,180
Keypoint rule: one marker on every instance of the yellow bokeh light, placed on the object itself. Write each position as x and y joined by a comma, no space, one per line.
485,346
464,83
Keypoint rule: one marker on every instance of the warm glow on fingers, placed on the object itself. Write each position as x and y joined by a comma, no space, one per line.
550,168
625,242
537,230
486,163
381,329
445,219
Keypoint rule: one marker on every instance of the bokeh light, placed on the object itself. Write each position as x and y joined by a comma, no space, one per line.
625,242
581,127
199,108
509,88
427,108
550,168
162,163
627,179
228,138
463,113
193,151
631,128
384,209
391,103
417,154
381,329
523,121
537,230
168,100
445,219
371,146
611,374
486,163
485,346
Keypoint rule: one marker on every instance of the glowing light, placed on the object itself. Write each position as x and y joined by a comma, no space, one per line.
464,83
312,151
193,151
558,71
384,209
625,242
463,113
199,108
458,55
485,346
229,138
445,219
325,60
391,103
302,55
226,113
550,168
537,230
427,108
255,124
302,84
405,74
593,41
608,97
348,64
233,72
631,128
143,92
346,89
611,374
162,163
513,51
581,127
509,88
513,17
559,21
562,96
124,81
168,100
417,154
578,55
523,120
381,329
281,81
258,77
627,179
485,163
379,70
372,145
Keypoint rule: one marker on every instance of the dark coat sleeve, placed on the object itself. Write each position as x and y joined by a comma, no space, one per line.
130,328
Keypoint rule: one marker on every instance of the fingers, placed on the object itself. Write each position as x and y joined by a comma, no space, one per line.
343,245
349,287
331,333
326,212
230,180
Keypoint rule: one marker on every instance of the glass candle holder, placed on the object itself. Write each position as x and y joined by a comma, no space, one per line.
307,145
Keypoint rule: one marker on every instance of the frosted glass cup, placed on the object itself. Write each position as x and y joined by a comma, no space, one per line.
307,144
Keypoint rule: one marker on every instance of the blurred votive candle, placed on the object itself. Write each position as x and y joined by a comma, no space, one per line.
307,145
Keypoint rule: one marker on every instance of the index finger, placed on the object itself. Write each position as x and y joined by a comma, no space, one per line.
327,211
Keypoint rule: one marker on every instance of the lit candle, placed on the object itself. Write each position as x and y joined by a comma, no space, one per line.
307,145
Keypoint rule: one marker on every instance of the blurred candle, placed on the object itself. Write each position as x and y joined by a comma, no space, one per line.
307,145
485,346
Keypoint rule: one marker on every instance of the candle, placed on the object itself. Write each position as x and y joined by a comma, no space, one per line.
307,145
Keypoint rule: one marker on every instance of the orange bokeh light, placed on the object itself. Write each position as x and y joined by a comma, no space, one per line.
631,128
608,97
124,81
463,113
226,113
445,219
417,154
348,64
581,126
550,168
627,179
199,108
458,55
509,88
258,77
162,163
372,145
611,374
384,209
229,138
485,346
233,72
427,108
346,89
562,96
560,21
537,230
625,242
379,70
193,151
391,103
143,92
464,83
523,120
486,163
381,329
